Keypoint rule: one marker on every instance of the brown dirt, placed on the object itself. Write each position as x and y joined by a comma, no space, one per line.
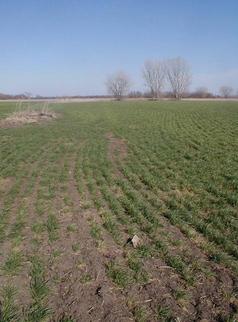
208,297
6,184
80,300
73,295
207,292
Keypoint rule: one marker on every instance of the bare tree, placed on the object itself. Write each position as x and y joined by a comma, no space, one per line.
135,94
154,76
118,85
178,75
226,91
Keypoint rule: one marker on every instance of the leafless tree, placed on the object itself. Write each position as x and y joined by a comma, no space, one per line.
226,91
178,75
135,94
118,85
154,76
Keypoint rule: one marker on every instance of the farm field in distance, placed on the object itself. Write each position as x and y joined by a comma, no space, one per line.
75,190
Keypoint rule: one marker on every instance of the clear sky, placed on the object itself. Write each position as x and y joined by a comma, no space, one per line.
59,47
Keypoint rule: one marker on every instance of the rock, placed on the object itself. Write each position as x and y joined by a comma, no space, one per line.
135,241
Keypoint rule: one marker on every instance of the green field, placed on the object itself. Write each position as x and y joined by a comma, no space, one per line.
73,191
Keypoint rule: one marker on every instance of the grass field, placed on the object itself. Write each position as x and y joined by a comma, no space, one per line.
74,190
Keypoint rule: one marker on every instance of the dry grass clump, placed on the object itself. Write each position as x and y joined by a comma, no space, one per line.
29,114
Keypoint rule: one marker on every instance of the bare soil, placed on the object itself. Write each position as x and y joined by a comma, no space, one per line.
82,274
207,301
6,184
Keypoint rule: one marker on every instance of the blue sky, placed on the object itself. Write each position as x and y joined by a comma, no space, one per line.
59,47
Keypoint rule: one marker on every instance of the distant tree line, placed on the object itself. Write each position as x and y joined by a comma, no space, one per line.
174,74
168,78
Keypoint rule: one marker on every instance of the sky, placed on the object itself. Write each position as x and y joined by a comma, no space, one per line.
69,47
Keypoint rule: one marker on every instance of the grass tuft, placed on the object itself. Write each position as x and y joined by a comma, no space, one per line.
13,263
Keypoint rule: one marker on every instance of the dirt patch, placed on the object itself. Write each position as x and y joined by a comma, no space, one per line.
117,150
6,184
27,117
84,291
